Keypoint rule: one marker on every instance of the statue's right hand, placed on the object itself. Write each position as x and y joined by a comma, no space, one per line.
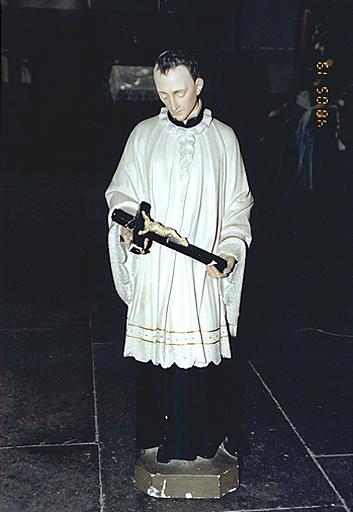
126,234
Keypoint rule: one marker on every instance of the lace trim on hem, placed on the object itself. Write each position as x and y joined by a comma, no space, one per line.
183,357
196,363
200,338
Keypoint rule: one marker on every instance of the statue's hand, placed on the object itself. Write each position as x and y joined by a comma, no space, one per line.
212,271
126,234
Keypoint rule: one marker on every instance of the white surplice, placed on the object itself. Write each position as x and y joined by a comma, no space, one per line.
195,181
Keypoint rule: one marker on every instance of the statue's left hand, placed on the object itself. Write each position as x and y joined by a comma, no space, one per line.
212,270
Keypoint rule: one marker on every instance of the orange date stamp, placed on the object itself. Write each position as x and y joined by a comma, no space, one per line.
322,92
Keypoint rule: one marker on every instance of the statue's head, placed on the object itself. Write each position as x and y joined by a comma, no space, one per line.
178,83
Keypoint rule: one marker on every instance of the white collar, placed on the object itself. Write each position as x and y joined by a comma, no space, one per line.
180,130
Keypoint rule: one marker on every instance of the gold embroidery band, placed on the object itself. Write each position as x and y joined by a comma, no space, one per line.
174,332
175,344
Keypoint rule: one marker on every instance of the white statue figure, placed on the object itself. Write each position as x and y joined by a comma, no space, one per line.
182,315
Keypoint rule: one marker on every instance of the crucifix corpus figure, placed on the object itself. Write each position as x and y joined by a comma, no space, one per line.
182,314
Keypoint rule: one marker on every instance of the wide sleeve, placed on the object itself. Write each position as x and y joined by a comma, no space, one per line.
235,236
238,200
123,192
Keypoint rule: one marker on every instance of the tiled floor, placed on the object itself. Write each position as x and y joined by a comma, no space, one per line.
67,413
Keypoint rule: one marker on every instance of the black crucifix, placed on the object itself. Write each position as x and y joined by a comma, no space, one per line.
143,227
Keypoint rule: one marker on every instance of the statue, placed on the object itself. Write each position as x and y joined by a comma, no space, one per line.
182,313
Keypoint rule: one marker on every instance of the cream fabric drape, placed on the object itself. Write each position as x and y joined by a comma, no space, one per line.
195,181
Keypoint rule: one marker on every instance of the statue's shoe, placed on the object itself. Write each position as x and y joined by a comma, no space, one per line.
164,455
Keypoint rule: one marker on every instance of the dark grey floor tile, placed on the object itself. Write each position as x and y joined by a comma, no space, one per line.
313,292
115,395
296,286
108,319
302,509
48,479
46,385
340,472
310,373
278,472
107,309
43,270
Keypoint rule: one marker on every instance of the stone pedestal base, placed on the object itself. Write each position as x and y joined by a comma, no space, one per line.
202,478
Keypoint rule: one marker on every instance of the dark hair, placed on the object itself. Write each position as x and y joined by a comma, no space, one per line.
170,59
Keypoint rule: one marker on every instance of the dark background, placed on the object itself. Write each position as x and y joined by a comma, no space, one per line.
67,413
255,57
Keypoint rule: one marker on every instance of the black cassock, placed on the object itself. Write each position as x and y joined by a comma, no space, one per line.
189,413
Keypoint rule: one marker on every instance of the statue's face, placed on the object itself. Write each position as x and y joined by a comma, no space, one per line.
178,91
